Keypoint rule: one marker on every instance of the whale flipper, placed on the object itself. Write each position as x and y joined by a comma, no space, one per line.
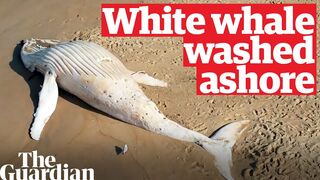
48,97
224,139
143,78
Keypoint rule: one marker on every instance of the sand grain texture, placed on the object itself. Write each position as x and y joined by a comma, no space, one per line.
282,141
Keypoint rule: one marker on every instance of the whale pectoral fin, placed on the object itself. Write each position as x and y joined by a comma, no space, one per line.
144,78
48,97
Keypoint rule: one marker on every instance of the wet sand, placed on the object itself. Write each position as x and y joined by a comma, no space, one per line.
282,141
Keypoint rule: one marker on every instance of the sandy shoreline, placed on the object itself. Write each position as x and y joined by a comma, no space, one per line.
282,142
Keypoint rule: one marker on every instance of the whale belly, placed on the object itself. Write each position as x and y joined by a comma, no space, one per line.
122,98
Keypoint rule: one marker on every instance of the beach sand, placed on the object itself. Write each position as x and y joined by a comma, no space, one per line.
282,142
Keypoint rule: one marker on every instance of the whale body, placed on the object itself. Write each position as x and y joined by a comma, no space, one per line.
99,78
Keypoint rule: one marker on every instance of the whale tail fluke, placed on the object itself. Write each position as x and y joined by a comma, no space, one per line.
221,147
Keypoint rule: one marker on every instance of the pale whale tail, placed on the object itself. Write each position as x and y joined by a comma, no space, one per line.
222,145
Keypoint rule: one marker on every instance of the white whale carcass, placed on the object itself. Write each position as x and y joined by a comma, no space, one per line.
96,76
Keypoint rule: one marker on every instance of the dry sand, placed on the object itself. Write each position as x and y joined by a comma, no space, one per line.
282,141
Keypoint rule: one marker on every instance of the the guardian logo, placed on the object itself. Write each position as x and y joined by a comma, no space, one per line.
43,168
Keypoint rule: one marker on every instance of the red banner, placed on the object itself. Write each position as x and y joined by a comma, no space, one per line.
236,48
